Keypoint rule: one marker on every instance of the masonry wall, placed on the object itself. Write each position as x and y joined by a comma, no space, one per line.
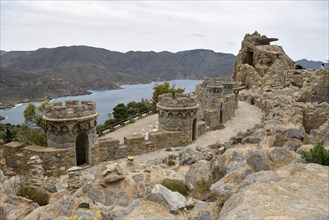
54,161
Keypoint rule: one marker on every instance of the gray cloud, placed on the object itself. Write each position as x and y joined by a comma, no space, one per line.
302,27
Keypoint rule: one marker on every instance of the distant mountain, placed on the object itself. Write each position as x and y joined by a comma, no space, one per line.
49,73
310,64
2,52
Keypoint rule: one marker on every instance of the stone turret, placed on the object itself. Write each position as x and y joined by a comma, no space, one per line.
178,113
72,126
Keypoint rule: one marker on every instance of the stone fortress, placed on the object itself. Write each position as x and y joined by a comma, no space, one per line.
72,138
253,167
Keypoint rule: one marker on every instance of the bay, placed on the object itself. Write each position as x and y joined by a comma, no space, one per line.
105,99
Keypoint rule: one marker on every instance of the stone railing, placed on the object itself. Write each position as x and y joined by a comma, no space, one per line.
71,109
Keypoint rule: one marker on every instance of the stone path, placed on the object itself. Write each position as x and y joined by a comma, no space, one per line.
135,127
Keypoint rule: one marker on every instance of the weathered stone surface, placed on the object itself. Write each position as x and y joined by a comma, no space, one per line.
66,205
298,191
113,172
75,180
260,63
151,210
235,164
172,200
199,173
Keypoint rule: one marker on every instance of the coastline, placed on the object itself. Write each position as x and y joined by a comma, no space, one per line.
14,104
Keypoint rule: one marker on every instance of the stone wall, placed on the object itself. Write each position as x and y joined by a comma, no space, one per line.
218,99
54,161
108,149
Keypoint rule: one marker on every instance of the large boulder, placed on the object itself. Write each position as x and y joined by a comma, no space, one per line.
199,172
172,200
297,191
237,163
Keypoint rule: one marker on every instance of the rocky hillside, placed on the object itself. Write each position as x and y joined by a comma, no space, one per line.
256,171
46,73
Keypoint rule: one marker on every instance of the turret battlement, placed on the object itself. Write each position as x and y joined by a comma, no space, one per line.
178,101
71,109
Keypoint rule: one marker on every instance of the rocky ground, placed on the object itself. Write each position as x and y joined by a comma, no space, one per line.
252,169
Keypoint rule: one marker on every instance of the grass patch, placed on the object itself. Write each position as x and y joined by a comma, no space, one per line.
36,194
318,155
176,186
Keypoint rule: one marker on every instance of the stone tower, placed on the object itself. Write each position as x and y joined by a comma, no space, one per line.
178,114
72,126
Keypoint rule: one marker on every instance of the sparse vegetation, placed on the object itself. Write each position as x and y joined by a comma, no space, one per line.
318,155
36,194
20,187
176,186
29,135
220,203
201,191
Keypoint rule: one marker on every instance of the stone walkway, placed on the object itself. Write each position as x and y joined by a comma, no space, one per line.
136,127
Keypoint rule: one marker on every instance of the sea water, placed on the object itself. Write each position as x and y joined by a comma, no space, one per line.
105,100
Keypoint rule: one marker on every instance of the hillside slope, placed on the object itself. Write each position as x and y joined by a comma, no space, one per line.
49,73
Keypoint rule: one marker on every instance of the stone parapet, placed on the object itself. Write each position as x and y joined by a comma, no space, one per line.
71,109
178,101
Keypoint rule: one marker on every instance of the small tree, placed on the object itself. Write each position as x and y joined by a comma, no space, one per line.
8,137
33,115
160,89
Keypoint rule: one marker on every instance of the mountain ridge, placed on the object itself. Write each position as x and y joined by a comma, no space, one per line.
73,70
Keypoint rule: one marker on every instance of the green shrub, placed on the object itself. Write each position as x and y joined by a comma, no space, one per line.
36,194
318,155
29,135
176,186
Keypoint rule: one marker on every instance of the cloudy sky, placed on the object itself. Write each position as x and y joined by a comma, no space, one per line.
301,26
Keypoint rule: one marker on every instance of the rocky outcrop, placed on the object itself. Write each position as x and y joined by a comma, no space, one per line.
259,61
237,163
172,200
298,191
